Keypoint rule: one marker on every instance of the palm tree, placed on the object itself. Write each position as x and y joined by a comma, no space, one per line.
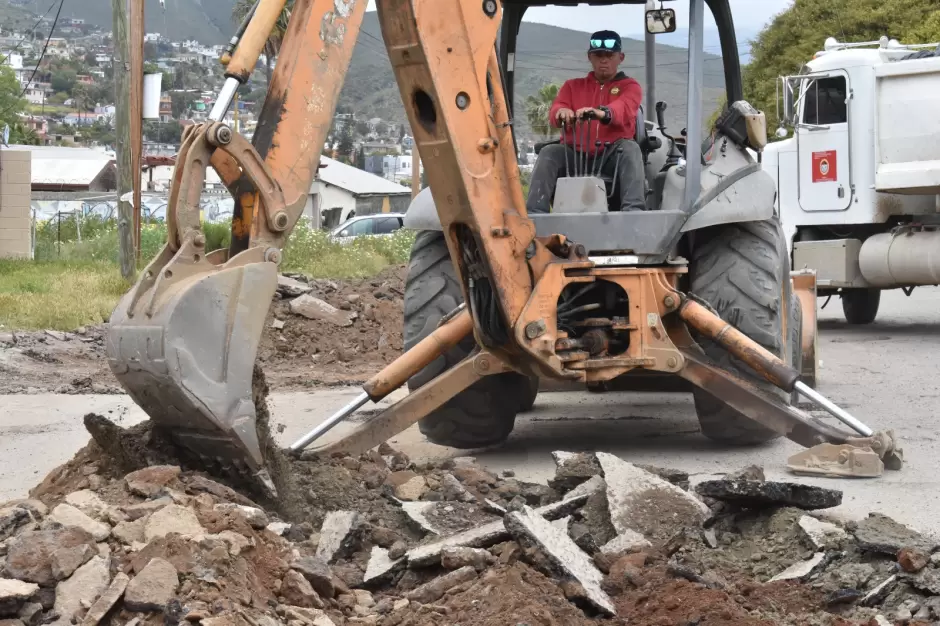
537,108
273,45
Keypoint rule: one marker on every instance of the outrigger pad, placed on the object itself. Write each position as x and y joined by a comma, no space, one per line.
858,458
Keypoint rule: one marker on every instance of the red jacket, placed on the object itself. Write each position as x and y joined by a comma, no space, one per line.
622,95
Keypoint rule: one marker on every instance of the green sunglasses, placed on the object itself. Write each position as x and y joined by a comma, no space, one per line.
610,44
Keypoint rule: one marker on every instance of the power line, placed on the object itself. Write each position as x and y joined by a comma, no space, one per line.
32,30
42,55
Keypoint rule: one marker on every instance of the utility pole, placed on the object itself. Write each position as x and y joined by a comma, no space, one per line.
122,127
136,44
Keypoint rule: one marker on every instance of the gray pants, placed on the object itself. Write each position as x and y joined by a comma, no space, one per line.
624,158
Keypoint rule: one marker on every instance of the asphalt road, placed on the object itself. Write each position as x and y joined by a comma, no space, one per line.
885,374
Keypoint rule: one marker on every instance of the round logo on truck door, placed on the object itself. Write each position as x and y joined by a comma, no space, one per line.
824,166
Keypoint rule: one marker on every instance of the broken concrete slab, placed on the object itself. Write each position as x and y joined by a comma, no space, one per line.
255,517
533,531
626,541
879,592
173,518
588,487
12,590
485,535
153,587
151,481
291,288
456,557
435,589
29,554
316,309
68,515
572,469
130,533
481,537
297,591
926,580
417,511
336,534
11,519
453,489
821,534
66,560
380,564
88,502
412,489
317,573
106,600
645,503
759,494
136,511
801,569
82,588
880,533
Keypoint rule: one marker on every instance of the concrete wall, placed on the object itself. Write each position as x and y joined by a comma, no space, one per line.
325,197
15,221
369,205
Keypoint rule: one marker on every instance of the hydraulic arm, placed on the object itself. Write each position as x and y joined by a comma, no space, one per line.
184,340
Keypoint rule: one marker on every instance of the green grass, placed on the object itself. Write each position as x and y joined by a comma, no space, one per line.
73,283
61,295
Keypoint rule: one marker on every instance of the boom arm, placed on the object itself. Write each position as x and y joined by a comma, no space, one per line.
444,57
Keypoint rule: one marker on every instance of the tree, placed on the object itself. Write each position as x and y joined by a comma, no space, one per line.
345,147
64,81
180,102
361,158
537,108
381,129
273,45
23,135
795,35
11,103
401,133
362,129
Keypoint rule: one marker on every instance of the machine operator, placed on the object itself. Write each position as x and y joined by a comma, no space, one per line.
613,98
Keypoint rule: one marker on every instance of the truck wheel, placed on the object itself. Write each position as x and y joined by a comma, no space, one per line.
860,306
485,413
743,271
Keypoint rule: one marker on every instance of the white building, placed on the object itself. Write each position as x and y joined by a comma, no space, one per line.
14,60
341,191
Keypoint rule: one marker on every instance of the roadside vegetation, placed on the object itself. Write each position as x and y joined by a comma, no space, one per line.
74,279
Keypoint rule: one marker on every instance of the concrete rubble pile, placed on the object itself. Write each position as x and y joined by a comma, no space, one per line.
605,541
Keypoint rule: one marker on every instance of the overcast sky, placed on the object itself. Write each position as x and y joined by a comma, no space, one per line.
749,15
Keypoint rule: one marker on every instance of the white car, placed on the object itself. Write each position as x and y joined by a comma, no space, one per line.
378,225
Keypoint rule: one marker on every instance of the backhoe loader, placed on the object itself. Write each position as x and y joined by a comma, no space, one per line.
698,286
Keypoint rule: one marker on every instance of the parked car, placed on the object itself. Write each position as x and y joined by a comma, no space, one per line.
378,225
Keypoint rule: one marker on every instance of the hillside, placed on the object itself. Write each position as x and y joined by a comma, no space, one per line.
209,21
546,54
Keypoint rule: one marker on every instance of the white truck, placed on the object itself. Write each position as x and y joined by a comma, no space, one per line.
858,183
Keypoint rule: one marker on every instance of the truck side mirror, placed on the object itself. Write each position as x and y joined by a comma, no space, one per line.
660,21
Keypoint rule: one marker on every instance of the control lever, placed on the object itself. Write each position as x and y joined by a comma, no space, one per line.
564,135
661,116
597,153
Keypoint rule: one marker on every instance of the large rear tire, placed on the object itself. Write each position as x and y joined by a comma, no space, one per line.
483,414
860,306
743,271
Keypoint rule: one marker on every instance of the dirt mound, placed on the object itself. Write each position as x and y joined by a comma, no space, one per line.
318,352
296,352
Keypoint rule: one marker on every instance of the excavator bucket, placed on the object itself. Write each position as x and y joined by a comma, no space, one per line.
183,344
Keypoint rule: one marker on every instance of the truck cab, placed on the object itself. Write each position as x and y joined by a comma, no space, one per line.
863,161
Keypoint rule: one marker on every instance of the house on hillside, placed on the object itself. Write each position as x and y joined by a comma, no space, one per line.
340,191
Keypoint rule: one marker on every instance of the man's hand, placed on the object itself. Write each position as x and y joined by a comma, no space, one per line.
591,112
564,116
